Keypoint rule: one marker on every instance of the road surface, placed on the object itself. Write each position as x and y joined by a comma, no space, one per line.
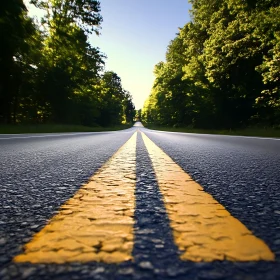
139,204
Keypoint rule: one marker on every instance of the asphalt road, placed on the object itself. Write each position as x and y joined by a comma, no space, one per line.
38,173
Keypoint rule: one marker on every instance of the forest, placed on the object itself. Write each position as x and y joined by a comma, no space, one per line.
222,70
50,73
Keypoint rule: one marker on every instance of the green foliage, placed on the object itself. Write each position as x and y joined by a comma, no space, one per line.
16,31
116,106
84,13
50,73
222,69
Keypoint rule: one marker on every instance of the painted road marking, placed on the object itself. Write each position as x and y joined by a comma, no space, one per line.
202,228
54,135
97,223
214,135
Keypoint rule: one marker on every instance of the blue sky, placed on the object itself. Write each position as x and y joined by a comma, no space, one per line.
135,35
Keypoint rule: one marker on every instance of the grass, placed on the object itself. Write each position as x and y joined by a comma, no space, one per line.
50,128
261,132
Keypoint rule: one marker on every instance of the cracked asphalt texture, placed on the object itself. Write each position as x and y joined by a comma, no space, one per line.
39,173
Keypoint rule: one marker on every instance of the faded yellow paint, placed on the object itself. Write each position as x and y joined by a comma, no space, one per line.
202,228
97,223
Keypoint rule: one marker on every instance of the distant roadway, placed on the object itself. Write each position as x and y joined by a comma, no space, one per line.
139,204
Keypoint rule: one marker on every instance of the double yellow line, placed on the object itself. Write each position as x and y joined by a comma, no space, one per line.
97,224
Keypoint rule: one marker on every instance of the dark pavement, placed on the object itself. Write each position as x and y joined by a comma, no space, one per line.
38,173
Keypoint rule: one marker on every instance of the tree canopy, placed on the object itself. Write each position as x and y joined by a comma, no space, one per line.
222,69
51,73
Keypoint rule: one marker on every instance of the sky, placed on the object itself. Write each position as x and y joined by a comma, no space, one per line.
134,36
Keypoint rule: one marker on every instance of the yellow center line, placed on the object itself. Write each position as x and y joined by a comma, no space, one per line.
96,224
202,228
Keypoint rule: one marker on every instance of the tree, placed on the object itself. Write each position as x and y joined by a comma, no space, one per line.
128,108
222,69
70,63
16,32
53,74
84,13
111,99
